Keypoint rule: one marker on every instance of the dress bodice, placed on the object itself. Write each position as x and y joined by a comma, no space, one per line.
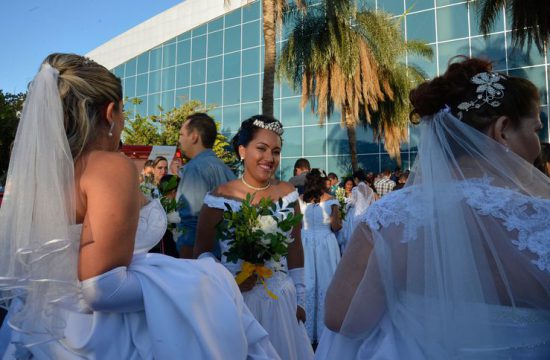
151,227
317,215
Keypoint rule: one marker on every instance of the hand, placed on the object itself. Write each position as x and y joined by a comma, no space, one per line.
300,314
249,283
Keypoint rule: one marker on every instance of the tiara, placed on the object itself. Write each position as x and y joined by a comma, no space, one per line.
274,126
489,91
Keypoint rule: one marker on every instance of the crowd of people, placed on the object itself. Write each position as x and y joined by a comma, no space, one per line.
448,260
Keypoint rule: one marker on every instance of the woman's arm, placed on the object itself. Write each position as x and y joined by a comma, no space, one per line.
109,183
206,230
335,220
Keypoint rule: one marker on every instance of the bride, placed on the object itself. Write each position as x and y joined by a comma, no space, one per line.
75,234
457,263
258,145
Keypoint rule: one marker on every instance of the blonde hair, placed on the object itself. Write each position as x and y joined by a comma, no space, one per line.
85,88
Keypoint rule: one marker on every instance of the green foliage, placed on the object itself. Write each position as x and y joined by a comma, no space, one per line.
164,129
10,106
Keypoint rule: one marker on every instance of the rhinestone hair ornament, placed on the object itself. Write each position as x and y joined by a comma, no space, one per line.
489,91
275,126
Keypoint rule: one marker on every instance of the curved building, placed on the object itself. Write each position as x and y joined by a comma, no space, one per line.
213,52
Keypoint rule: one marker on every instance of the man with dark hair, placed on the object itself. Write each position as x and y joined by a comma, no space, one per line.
384,185
301,169
334,183
203,173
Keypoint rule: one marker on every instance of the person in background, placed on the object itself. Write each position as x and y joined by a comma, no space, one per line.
543,160
301,169
334,182
147,172
349,184
384,185
160,168
203,173
167,188
175,166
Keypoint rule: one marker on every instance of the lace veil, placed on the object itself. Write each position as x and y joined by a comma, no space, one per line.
38,258
460,261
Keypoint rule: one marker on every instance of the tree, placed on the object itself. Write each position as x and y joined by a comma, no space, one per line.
352,60
10,108
164,129
530,20
272,13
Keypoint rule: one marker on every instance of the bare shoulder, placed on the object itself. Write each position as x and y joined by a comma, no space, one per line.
108,166
285,187
227,189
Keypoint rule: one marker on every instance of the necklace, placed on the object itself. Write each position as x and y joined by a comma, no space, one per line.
255,188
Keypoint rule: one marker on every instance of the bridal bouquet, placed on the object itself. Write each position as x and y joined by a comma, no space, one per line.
258,234
340,195
170,205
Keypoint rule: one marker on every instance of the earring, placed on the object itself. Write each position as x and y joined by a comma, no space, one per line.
111,129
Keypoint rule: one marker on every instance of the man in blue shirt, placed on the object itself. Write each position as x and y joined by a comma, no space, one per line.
203,173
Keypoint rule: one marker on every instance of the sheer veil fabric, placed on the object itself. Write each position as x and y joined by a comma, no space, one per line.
460,261
37,261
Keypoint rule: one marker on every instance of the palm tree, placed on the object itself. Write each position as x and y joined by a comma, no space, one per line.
352,60
272,14
530,19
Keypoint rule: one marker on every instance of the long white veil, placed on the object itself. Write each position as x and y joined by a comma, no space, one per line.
460,266
38,259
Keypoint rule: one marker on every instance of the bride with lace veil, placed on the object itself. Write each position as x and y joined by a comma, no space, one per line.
457,263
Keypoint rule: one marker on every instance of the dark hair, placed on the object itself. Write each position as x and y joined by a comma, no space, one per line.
346,180
314,186
205,126
159,159
302,164
455,87
148,163
332,176
248,130
360,174
543,158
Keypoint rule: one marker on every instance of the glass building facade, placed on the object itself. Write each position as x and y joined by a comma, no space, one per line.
221,63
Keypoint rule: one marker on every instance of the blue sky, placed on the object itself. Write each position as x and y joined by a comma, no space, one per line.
32,29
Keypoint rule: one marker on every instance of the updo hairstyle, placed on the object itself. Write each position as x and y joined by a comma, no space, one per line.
455,87
314,187
248,130
85,88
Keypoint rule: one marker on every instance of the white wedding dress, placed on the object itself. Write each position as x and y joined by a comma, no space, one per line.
321,257
362,196
278,317
193,310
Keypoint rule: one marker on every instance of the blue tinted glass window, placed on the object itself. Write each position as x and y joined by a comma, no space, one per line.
450,49
214,93
310,118
252,11
182,75
491,48
429,67
292,141
421,26
251,61
287,167
201,30
119,71
337,140
518,57
198,48
232,65
386,162
498,24
153,103
214,68
231,118
141,106
251,34
215,43
184,52
130,87
232,39
233,18
185,36
141,84
171,41
169,78
155,59
365,140
182,96
537,76
417,5
291,114
131,67
250,109
216,114
231,92
154,81
288,91
215,24
169,55
143,63
452,22
197,93
167,100
251,88
198,72
391,6
369,163
448,2
340,165
314,137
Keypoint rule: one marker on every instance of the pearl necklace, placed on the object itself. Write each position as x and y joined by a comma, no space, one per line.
255,188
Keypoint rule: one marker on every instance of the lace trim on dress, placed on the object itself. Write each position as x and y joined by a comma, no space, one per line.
529,216
218,202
